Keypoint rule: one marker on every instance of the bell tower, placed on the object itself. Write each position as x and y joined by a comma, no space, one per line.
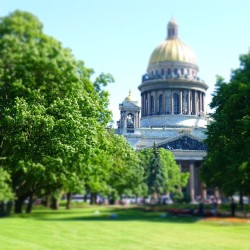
129,115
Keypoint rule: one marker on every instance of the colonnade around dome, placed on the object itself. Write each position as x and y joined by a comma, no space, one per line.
172,101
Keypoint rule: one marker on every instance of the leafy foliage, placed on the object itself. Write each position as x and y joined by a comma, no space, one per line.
6,193
115,168
162,173
51,113
227,165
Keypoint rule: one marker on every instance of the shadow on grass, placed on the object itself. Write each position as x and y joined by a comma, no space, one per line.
111,214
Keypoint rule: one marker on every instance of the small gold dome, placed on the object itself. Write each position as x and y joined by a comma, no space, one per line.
172,50
129,97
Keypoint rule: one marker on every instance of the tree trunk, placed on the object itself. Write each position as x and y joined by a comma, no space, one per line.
68,196
241,202
47,201
8,208
19,204
2,213
93,198
30,203
54,203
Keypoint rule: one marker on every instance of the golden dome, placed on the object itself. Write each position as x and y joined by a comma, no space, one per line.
129,97
172,50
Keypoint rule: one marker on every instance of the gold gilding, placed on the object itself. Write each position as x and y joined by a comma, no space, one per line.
173,50
129,97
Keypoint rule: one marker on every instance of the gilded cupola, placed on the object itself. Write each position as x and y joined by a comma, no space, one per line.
172,50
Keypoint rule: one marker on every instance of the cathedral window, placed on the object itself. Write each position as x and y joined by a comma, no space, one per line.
176,104
146,104
130,123
168,106
160,104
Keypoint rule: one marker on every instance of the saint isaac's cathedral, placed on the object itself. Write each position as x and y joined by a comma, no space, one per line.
172,112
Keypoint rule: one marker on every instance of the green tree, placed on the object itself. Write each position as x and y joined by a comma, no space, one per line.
51,113
6,194
162,173
115,168
227,165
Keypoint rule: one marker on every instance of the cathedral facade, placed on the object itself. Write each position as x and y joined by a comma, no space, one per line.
172,111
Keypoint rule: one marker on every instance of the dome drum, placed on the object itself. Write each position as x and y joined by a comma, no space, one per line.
172,69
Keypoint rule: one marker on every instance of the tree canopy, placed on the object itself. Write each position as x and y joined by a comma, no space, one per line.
227,165
51,113
162,174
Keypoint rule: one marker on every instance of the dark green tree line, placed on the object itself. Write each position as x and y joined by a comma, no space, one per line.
227,165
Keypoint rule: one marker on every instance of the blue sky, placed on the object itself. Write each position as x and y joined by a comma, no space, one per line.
118,37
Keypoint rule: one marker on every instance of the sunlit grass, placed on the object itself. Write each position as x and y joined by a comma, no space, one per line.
110,228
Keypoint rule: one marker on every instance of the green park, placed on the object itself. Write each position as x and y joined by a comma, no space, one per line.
132,228
58,142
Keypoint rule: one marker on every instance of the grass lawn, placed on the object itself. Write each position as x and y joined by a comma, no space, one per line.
130,229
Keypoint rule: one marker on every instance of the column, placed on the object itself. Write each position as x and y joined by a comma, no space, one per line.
172,102
138,119
164,102
216,194
180,98
200,97
142,103
204,192
149,103
125,121
189,102
191,181
156,101
196,102
203,102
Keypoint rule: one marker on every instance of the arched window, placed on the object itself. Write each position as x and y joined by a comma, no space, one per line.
130,123
160,104
168,105
152,105
176,104
169,72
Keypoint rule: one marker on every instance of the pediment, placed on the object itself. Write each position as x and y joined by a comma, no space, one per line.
185,142
129,105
